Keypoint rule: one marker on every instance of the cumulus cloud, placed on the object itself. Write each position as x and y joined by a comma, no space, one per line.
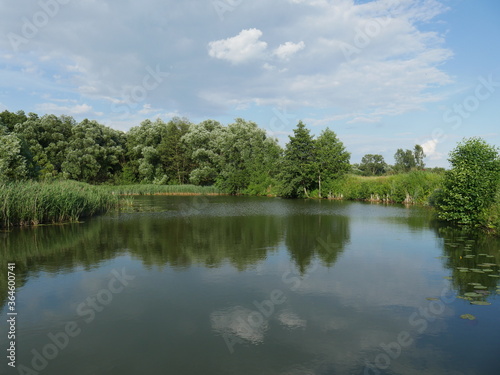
398,68
430,149
285,51
243,47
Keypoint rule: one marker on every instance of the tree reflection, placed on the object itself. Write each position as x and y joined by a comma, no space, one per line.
310,236
471,256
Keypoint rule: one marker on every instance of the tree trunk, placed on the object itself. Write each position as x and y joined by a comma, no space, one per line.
319,183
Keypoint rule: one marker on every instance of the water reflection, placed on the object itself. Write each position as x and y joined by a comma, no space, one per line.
472,258
291,286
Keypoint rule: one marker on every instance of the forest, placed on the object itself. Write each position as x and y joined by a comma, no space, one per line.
240,158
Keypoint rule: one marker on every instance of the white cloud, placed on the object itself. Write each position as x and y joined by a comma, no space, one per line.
78,109
285,51
399,70
243,47
430,149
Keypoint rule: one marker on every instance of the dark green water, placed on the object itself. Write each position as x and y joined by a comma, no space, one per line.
236,285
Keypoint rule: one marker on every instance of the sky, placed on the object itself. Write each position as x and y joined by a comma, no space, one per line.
382,74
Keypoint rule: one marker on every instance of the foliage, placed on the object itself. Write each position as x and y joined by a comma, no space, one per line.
406,160
247,156
203,143
298,169
373,165
470,187
332,159
412,187
16,162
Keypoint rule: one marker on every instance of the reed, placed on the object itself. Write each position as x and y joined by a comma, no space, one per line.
409,188
32,203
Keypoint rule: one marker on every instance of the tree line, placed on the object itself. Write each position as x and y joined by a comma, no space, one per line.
239,157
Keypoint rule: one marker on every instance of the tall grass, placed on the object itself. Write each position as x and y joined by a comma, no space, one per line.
409,188
162,189
32,203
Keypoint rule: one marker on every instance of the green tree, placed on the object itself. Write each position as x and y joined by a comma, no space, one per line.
94,153
16,162
332,159
48,139
173,153
373,165
470,186
299,167
419,155
246,157
10,119
144,159
204,144
406,160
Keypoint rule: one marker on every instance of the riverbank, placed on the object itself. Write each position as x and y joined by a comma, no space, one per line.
31,203
416,187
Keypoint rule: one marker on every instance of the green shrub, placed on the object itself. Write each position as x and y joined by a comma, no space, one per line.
470,187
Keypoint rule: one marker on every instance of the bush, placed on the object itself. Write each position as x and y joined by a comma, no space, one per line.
471,185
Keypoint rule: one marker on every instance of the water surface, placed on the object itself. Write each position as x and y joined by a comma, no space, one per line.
239,285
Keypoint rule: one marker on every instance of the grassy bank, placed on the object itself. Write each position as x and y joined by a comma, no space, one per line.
32,203
162,190
409,188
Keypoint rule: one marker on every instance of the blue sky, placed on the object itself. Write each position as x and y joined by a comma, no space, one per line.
382,74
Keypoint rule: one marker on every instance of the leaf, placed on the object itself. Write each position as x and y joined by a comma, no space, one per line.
472,294
468,316
482,303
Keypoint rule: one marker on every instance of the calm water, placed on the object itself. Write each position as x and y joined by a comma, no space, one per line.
236,285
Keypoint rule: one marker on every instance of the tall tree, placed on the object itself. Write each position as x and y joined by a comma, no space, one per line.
204,143
246,156
332,159
173,153
404,160
299,168
418,153
16,162
373,165
94,153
